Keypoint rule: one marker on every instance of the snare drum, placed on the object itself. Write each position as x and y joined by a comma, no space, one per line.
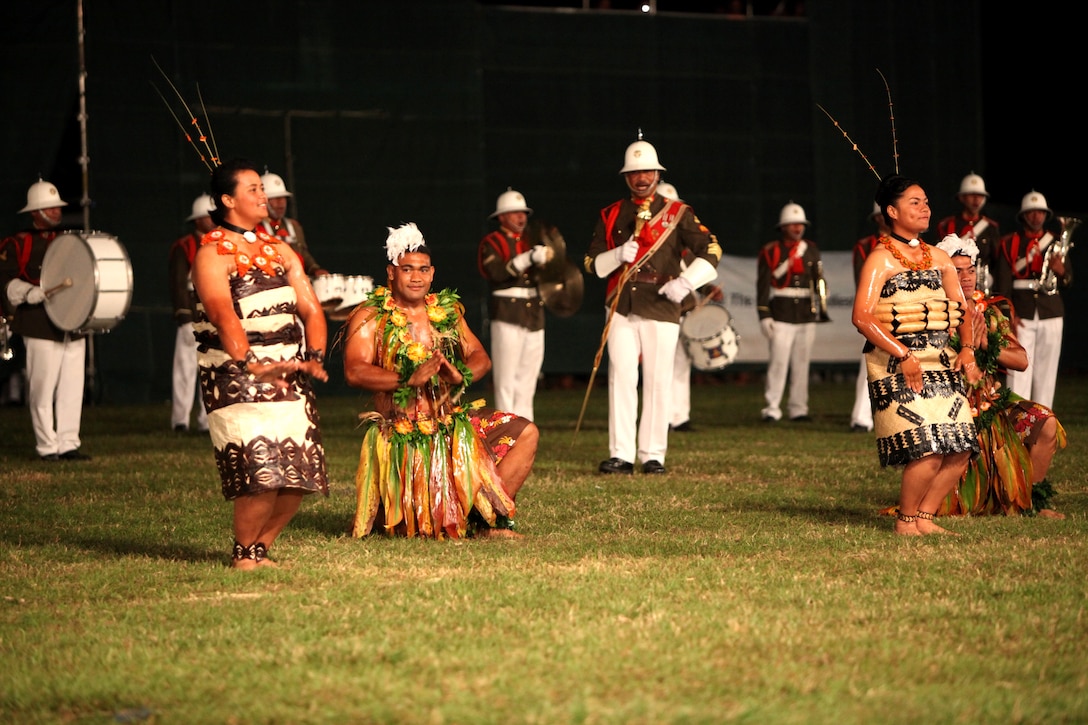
357,288
329,289
87,280
709,338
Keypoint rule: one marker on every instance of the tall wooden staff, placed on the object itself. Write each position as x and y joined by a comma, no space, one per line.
600,348
627,274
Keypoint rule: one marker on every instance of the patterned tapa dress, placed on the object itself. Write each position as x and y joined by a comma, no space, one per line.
264,438
909,425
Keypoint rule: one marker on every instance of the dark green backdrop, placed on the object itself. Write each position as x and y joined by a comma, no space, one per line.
381,113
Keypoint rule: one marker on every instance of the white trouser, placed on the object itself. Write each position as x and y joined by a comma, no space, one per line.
629,340
55,372
681,386
186,391
1043,341
863,408
790,353
517,355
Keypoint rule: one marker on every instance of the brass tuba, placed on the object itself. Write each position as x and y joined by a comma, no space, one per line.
819,291
1048,282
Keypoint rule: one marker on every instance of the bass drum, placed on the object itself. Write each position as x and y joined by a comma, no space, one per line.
709,338
87,280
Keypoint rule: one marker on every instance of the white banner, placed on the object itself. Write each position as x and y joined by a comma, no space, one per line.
837,341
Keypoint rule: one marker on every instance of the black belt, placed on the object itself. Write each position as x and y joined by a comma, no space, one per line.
652,277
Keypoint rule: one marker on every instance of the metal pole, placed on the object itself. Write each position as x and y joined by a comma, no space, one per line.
84,159
90,373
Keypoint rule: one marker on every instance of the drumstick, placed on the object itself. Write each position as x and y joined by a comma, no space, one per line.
702,300
52,290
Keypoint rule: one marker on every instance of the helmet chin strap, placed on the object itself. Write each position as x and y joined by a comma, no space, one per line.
43,221
650,192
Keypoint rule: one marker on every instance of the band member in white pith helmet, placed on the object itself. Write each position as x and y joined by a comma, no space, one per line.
971,224
511,264
55,358
788,272
637,246
183,300
281,226
1032,270
861,417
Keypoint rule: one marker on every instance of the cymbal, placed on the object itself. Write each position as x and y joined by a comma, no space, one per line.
542,232
562,294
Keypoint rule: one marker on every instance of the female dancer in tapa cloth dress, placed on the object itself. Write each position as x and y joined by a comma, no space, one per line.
261,336
908,298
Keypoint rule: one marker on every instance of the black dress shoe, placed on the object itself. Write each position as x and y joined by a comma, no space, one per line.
859,428
50,458
616,465
653,467
769,419
684,427
74,455
801,419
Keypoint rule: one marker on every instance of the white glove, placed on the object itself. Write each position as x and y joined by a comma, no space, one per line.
541,254
522,262
627,251
609,261
676,289
767,325
20,291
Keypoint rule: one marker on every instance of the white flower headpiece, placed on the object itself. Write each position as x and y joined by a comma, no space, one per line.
402,240
953,245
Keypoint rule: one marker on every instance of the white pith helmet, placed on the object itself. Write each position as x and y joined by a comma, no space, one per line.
1034,201
42,195
274,187
641,156
973,184
668,191
510,201
792,214
202,207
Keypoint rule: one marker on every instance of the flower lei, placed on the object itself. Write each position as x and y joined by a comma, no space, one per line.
989,396
927,256
405,355
266,259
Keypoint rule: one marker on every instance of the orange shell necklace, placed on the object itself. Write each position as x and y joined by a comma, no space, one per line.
925,263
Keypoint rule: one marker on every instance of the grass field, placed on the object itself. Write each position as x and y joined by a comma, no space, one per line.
755,583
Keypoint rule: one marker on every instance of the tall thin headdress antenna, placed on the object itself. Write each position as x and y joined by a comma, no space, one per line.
211,134
891,115
212,160
184,130
853,145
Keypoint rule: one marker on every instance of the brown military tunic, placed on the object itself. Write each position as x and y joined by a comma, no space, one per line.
616,225
493,259
788,295
1020,264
